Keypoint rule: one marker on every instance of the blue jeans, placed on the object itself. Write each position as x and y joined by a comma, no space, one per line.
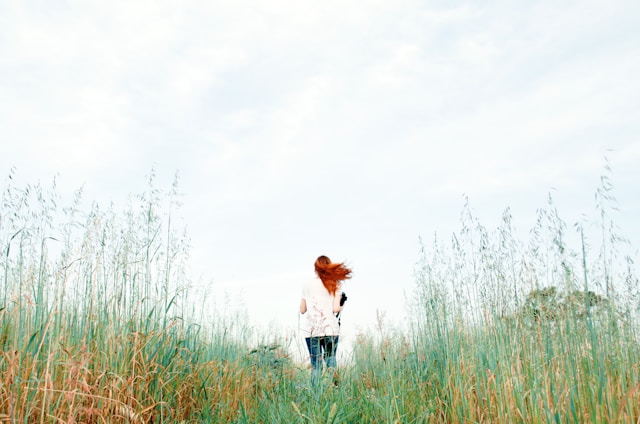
318,347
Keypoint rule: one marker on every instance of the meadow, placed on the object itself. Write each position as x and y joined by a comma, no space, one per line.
98,324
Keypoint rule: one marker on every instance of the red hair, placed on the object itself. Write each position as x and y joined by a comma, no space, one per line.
331,274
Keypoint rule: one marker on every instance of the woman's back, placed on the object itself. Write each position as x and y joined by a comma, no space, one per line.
320,319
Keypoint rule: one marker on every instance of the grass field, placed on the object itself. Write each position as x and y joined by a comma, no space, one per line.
98,325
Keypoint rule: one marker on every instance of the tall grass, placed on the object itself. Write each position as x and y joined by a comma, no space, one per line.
96,324
99,323
513,332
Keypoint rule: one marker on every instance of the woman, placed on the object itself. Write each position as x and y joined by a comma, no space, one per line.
321,303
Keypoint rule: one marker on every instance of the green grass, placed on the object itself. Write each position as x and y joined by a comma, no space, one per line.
98,325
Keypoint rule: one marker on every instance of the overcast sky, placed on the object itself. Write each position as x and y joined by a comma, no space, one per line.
344,128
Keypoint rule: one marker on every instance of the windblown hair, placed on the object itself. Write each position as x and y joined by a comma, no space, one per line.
331,274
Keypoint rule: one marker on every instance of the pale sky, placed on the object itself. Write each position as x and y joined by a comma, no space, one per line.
344,128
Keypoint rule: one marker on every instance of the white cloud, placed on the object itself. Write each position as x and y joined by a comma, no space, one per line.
394,108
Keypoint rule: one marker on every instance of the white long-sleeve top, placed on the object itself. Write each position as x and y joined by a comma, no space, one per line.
320,319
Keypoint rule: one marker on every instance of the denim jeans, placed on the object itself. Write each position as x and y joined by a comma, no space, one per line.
318,347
